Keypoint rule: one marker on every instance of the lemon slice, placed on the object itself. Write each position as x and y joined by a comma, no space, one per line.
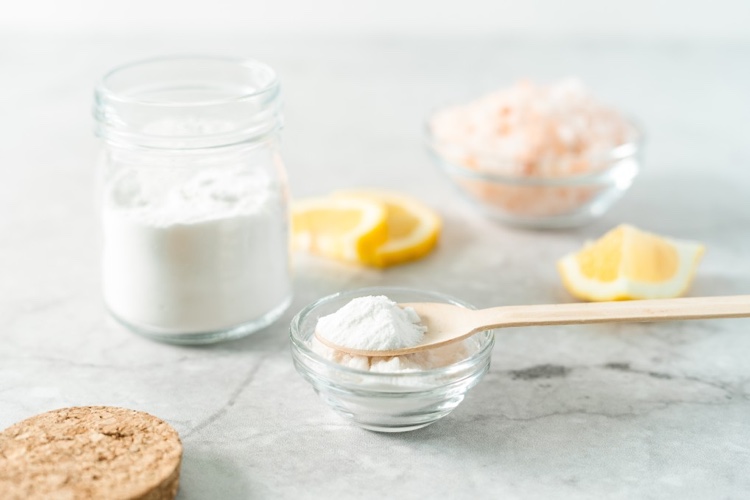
340,228
413,228
627,263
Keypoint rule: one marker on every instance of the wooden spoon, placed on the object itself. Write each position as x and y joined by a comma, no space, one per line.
447,323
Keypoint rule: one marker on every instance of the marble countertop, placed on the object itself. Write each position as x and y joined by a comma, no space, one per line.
627,411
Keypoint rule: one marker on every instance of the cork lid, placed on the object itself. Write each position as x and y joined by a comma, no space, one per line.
90,452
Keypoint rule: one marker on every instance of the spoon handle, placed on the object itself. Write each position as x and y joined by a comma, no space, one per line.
735,306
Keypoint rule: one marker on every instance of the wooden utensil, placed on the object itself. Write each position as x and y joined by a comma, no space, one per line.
447,323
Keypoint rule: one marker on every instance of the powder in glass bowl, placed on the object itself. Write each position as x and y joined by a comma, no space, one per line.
378,323
373,323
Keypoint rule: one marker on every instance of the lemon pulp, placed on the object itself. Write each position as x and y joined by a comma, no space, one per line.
627,263
342,229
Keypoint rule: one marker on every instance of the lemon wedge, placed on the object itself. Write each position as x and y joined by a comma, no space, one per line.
627,263
340,228
413,227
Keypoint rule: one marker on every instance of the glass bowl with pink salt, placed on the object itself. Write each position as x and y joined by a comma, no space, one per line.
539,156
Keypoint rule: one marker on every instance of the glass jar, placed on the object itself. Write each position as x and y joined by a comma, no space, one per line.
193,198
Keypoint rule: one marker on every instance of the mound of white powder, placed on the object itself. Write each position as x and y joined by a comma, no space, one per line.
378,323
374,323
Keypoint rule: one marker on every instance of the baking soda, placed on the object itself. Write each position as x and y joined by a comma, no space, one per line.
372,324
194,252
415,362
376,323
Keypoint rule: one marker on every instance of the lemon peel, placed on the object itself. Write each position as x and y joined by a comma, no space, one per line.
413,227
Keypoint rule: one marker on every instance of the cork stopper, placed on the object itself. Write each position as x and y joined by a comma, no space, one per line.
90,452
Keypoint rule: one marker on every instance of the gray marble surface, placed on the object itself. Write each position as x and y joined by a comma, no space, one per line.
628,411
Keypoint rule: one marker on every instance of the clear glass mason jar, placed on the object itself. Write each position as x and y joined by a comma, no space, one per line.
193,198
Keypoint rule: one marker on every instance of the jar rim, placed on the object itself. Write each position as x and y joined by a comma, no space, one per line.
188,102
104,89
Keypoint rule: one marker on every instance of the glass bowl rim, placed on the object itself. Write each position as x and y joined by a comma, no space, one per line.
104,90
620,152
300,345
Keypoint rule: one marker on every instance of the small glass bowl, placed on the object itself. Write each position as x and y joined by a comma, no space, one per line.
386,402
543,202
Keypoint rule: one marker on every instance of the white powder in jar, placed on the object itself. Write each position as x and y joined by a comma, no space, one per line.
188,252
379,324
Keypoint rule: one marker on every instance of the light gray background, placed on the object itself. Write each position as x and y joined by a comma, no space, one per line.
628,411
652,19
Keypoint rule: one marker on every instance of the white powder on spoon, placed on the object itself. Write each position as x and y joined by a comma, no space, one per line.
378,323
373,323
